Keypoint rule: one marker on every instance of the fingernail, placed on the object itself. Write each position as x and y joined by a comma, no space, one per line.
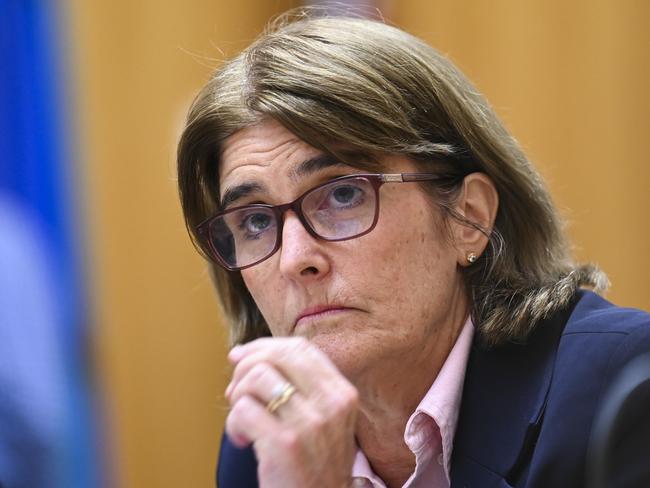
228,390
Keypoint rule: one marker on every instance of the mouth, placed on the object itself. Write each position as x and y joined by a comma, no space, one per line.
312,314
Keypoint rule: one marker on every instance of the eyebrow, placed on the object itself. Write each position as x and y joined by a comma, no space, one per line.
315,164
239,191
307,167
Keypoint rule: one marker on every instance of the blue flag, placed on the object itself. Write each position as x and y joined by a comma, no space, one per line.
47,425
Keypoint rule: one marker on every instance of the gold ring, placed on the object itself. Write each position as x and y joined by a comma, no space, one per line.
280,396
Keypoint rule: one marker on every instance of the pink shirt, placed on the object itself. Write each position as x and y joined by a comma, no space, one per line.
430,430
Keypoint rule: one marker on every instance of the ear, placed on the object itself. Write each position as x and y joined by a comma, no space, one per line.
478,203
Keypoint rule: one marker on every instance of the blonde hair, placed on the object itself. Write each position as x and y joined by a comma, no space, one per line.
373,88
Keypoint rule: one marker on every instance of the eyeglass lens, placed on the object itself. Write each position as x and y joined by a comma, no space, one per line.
335,211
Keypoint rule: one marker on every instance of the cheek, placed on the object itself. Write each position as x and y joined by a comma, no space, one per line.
263,290
410,242
414,264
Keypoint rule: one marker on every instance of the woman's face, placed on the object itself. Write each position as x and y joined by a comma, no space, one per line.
388,299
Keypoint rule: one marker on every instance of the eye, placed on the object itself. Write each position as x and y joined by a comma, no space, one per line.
254,224
345,196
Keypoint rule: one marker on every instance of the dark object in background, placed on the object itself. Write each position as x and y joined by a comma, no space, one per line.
619,451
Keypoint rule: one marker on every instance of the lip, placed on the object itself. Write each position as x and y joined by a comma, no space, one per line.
319,311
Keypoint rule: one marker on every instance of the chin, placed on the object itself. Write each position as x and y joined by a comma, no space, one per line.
342,351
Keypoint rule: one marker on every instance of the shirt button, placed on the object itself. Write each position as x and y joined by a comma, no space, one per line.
441,459
359,483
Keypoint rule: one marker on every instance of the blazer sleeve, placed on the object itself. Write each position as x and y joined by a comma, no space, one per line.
236,468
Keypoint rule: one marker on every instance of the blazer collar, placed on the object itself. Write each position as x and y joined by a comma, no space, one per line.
503,404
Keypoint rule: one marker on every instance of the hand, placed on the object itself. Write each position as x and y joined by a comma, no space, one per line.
309,440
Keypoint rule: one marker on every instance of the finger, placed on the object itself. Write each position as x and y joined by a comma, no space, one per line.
302,363
249,421
262,382
319,392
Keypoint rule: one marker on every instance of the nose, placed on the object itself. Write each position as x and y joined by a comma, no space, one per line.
302,256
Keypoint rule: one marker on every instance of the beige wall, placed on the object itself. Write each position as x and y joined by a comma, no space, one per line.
159,340
569,78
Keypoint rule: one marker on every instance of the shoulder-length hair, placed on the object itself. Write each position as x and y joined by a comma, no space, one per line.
372,88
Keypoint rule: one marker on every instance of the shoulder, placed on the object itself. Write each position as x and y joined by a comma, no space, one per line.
593,315
528,408
598,340
603,332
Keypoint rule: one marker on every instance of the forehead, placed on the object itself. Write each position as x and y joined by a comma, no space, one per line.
266,147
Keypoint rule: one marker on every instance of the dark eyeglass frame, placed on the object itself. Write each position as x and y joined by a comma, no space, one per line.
375,179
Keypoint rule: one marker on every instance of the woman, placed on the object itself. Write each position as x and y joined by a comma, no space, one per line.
401,295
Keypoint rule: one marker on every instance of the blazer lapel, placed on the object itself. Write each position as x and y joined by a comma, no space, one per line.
502,409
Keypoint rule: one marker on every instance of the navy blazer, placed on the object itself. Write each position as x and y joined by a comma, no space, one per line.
527,409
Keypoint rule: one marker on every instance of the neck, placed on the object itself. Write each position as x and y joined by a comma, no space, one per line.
388,403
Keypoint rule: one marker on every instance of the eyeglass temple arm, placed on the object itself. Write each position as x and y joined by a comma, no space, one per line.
406,177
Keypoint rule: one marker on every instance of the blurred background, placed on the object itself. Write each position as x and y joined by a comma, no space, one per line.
106,308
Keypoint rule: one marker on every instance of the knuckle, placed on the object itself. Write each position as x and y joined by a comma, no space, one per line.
346,401
232,421
241,408
289,440
316,422
339,407
240,369
352,396
301,344
257,372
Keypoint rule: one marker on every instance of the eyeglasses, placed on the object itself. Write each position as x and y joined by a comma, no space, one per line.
340,209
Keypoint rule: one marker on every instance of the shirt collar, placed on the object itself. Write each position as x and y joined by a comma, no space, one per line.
441,404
